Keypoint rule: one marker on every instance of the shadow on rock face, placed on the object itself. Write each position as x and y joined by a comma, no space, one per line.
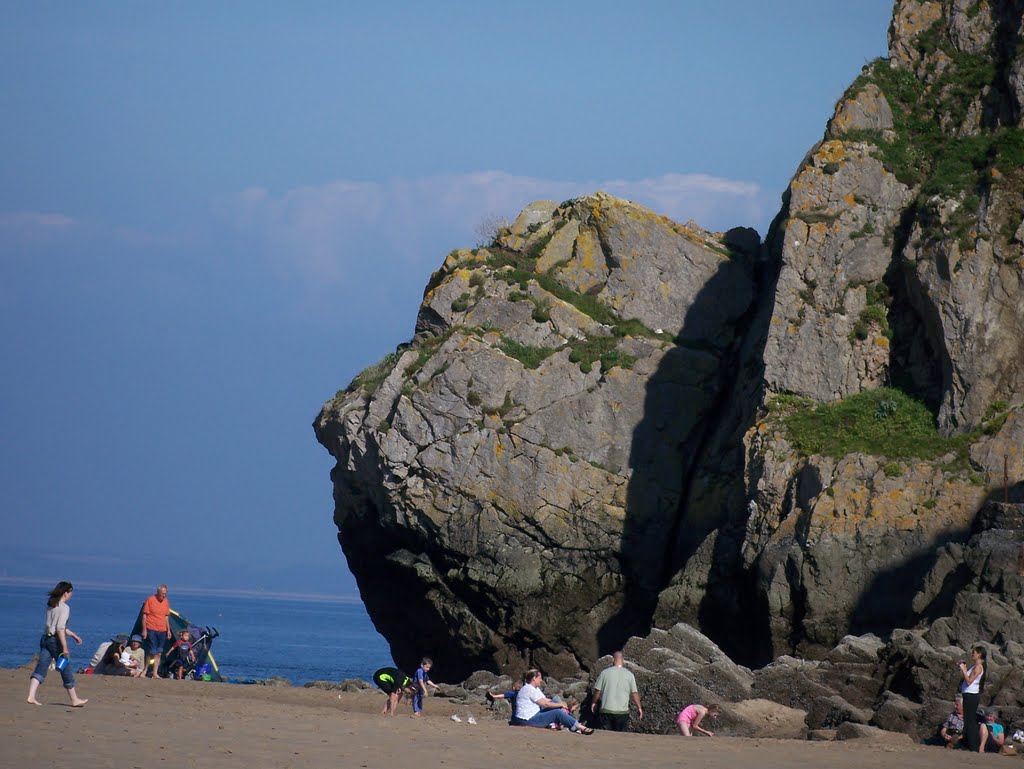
688,405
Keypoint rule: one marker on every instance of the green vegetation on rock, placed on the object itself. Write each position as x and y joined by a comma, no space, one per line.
599,348
518,270
875,313
925,149
902,428
531,357
371,377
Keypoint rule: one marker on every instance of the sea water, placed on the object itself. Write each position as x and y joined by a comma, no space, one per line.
300,639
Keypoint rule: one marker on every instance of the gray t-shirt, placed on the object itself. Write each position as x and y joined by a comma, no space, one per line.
615,685
56,618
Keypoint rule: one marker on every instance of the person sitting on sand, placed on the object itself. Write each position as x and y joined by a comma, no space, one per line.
992,733
534,709
137,654
952,730
133,668
394,683
111,664
101,650
690,717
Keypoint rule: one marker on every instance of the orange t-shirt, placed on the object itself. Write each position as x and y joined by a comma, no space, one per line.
155,614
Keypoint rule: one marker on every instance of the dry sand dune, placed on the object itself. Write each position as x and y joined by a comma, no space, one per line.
147,724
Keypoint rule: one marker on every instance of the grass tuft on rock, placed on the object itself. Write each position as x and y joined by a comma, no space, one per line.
884,422
530,357
370,378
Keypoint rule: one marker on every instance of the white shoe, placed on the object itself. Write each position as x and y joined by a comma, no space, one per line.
471,720
456,719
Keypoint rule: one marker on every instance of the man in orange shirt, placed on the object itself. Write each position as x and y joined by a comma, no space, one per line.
156,630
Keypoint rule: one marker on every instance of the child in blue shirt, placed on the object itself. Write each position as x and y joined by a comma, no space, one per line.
421,680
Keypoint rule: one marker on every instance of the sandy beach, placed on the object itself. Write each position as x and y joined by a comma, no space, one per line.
145,723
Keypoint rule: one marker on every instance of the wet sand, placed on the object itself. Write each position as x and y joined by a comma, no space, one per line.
144,723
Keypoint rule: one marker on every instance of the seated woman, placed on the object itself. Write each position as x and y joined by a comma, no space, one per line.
992,733
111,664
534,709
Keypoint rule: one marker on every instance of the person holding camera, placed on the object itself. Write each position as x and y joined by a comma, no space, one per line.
971,686
952,731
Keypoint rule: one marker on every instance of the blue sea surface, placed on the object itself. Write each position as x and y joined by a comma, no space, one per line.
300,639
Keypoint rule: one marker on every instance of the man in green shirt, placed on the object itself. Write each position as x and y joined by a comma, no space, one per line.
612,692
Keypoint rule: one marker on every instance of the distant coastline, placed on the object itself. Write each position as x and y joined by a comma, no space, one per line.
203,591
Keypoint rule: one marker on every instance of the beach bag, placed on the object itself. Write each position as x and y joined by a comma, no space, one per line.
1008,750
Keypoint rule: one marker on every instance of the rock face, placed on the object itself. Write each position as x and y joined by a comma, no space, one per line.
519,469
608,423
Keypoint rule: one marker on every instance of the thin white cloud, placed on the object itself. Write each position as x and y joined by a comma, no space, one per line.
327,232
20,227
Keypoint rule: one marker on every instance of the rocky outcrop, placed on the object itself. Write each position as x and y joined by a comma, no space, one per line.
608,422
898,266
529,449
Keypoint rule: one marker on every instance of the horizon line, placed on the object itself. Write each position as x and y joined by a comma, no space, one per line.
277,595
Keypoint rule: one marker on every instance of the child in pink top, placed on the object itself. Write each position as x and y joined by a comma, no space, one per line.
692,715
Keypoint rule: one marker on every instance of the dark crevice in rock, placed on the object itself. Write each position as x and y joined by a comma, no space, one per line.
918,362
1006,48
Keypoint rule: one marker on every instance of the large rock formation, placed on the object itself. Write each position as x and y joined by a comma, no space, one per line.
608,422
516,473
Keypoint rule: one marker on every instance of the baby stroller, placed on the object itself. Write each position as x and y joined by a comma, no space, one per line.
192,658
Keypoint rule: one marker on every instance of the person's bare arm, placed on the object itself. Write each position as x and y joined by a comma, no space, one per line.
698,728
971,675
547,704
639,707
597,699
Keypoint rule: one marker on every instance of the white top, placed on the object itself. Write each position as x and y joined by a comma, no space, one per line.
971,688
101,652
56,618
526,702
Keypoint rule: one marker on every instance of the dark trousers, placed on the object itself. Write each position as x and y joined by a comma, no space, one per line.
971,733
615,722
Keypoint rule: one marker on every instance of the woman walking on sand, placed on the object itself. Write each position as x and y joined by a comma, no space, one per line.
54,643
970,687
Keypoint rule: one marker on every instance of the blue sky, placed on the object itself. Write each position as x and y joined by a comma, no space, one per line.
213,215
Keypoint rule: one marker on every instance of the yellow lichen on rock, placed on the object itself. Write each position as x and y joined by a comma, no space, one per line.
831,151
